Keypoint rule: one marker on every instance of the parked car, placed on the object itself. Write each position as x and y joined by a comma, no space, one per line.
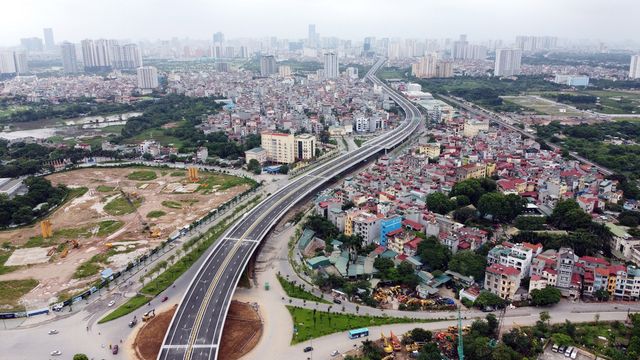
56,353
574,353
53,332
562,348
337,301
335,353
114,349
308,349
568,351
555,348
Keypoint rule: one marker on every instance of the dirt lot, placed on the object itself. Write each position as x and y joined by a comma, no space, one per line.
80,219
242,332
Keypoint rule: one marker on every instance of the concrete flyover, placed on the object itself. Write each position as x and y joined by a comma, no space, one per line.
196,329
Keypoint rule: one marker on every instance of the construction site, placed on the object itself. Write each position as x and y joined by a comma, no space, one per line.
114,216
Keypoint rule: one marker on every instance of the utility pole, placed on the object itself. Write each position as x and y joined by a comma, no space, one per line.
460,341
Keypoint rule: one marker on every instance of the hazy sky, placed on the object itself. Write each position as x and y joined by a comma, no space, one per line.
74,20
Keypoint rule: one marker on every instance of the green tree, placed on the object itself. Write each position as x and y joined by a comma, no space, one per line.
80,357
504,352
254,166
502,208
468,263
521,342
284,169
421,335
434,255
567,215
546,296
439,203
561,339
487,298
383,264
430,351
147,156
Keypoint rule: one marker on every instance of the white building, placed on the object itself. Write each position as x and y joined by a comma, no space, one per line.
472,127
330,65
147,77
572,80
634,67
352,73
69,59
508,62
7,63
305,146
284,70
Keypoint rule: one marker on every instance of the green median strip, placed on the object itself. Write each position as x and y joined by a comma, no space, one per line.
296,291
173,272
310,324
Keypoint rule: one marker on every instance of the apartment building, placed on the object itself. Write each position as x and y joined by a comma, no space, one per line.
502,280
279,147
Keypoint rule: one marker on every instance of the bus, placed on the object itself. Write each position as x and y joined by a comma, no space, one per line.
358,333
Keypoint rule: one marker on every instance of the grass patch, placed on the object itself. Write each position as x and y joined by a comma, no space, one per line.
93,265
330,322
172,204
143,175
12,290
296,291
359,141
178,174
173,272
4,256
222,182
108,227
120,206
156,214
130,306
104,188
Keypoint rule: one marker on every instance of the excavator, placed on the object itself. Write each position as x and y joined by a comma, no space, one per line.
395,343
387,345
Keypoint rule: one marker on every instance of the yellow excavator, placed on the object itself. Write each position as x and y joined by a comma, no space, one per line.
387,345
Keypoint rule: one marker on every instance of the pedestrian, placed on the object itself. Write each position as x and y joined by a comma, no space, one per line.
109,346
87,328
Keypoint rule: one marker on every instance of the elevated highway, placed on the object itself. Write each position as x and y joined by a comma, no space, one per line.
196,329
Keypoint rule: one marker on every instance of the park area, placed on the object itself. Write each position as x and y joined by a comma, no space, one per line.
114,216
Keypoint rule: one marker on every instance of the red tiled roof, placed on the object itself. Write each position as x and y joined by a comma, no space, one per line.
503,270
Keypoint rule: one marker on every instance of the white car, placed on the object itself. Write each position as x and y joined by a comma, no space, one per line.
53,332
335,353
56,353
111,303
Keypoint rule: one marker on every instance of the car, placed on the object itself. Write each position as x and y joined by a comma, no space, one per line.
337,301
111,303
562,348
114,349
53,332
307,349
165,298
574,353
488,309
567,352
555,348
56,353
335,353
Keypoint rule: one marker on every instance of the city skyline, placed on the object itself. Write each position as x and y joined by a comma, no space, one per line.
356,19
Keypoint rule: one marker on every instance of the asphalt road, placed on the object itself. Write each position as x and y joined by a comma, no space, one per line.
196,329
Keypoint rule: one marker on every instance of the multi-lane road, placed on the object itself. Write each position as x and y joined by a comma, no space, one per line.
196,329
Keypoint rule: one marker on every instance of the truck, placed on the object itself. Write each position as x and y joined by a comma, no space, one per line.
149,315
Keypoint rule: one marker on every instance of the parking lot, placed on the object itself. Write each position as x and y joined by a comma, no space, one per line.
549,354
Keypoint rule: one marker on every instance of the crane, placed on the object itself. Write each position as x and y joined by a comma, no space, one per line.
145,226
460,341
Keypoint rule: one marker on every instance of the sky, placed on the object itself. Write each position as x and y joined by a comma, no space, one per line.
73,20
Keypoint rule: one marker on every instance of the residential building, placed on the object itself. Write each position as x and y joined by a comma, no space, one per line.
634,67
426,67
49,44
331,65
147,77
566,261
284,70
69,60
32,44
502,280
473,126
20,59
280,147
507,62
305,146
268,65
